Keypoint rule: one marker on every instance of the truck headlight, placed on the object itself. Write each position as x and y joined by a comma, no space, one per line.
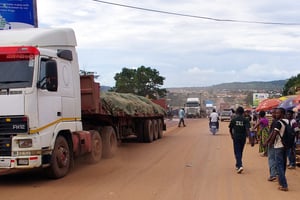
25,143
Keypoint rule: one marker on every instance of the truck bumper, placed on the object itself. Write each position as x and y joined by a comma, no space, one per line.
21,162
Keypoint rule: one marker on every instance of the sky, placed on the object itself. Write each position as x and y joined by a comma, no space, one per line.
187,51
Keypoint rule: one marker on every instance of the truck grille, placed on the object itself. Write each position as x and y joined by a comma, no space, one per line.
9,126
13,125
5,145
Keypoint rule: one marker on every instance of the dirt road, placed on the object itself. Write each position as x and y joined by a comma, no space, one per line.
187,164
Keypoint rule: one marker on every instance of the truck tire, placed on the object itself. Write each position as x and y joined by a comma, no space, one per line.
155,129
109,142
160,129
148,131
60,159
96,153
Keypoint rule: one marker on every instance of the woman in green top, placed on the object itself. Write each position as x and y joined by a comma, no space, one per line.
263,132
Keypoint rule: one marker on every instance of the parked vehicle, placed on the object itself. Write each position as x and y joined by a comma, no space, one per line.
49,114
225,115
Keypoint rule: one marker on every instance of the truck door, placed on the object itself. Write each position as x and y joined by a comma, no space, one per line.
66,90
49,100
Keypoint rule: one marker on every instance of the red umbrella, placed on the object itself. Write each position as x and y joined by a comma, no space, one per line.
268,104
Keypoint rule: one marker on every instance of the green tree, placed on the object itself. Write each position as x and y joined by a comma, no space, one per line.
249,98
291,85
125,81
142,81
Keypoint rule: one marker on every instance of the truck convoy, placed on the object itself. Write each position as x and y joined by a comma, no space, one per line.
192,108
49,114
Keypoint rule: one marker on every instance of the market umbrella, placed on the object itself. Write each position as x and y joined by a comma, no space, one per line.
268,104
297,99
283,98
288,104
296,109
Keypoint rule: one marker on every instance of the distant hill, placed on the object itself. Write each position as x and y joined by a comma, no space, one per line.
254,85
259,86
104,88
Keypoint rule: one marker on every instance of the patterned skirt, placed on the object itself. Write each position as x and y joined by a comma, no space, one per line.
263,134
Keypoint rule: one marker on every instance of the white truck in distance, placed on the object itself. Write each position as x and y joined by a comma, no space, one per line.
49,114
192,108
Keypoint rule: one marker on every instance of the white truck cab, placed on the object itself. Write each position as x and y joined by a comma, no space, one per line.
192,107
37,104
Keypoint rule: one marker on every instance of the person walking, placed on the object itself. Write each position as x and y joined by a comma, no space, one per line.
247,115
239,128
263,132
291,152
280,151
181,115
253,131
271,151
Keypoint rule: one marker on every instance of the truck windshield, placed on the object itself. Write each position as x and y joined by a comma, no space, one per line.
16,67
226,113
192,104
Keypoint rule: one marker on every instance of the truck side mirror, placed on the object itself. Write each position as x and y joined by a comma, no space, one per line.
51,75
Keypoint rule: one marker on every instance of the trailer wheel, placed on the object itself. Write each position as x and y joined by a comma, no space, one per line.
60,159
109,141
155,129
160,129
96,153
148,131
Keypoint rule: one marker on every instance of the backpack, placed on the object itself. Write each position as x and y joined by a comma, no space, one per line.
288,137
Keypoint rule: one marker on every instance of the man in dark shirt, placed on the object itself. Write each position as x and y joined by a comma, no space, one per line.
239,128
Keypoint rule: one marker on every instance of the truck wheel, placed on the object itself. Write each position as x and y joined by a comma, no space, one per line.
60,159
148,131
160,129
109,142
96,153
155,129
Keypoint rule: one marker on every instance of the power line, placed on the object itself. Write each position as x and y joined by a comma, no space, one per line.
199,17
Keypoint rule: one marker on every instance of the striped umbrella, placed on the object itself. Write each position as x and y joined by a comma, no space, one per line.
288,104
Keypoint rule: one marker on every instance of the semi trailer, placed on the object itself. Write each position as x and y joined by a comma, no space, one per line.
49,114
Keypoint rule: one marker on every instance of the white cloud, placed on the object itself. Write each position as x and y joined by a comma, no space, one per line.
187,51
